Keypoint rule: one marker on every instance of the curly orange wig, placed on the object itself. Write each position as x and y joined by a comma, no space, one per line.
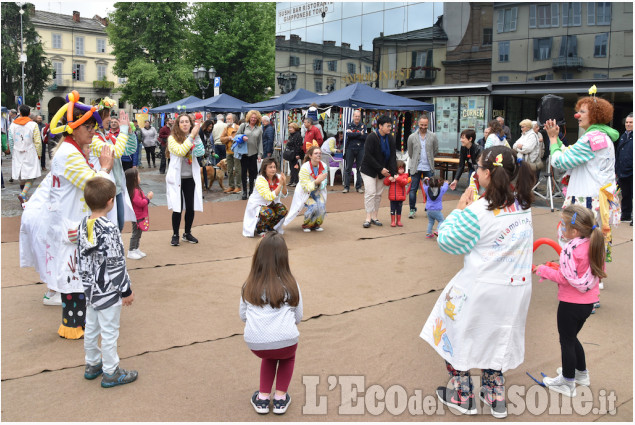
600,110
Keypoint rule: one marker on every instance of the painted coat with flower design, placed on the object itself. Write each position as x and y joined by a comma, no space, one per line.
479,319
304,188
58,208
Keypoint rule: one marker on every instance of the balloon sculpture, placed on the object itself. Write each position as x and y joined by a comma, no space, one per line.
73,102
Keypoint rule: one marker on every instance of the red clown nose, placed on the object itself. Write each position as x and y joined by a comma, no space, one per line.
577,116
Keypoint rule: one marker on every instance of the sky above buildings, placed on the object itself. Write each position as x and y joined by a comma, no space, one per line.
85,8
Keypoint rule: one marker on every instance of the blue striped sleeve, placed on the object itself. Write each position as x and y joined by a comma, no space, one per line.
571,157
459,232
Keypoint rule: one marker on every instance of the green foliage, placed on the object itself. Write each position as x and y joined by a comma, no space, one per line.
237,38
37,69
149,44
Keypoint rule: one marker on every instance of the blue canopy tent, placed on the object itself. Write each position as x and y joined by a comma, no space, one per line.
4,110
172,107
360,95
221,103
280,103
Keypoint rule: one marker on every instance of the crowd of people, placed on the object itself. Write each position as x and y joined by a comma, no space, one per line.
93,188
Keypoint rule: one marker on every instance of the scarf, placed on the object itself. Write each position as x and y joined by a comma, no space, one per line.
612,133
273,185
320,169
72,141
568,268
385,146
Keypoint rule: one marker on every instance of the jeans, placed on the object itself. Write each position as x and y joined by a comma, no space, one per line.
43,157
105,323
626,184
120,211
136,236
356,154
150,153
432,216
395,207
414,186
162,155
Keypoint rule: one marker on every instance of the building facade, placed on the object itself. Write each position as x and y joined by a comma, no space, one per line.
81,57
474,61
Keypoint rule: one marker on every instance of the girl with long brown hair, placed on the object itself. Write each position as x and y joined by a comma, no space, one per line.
271,307
578,278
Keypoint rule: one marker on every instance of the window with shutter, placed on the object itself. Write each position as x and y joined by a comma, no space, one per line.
532,16
590,12
555,15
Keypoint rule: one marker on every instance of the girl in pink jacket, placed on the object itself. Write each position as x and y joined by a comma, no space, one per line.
140,206
578,278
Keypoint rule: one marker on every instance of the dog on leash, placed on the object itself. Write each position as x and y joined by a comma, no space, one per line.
214,174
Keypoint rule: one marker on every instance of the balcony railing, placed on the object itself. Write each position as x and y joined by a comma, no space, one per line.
103,85
567,62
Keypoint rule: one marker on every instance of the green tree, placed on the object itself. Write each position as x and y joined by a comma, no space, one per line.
237,38
149,44
37,69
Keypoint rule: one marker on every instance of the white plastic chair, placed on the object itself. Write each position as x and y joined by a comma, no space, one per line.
332,169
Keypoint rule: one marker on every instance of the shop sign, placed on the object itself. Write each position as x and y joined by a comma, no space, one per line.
303,11
392,74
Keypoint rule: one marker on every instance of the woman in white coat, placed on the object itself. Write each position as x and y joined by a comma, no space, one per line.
528,145
183,184
264,211
479,319
48,231
310,192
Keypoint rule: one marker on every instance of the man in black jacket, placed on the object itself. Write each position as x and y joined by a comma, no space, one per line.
624,168
380,161
355,137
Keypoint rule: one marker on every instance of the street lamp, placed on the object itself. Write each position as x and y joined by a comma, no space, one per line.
201,80
159,95
22,55
286,81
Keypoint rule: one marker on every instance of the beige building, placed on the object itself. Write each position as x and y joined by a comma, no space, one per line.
562,41
81,58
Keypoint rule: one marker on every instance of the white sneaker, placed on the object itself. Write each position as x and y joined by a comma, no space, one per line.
134,255
601,285
54,299
141,253
560,385
306,230
319,229
581,378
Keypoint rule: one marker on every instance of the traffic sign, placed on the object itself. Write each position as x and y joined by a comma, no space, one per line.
19,100
217,82
37,105
144,110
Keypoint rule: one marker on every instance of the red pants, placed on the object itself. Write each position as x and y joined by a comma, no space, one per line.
284,360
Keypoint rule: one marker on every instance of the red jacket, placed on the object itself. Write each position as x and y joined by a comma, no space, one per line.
140,204
397,191
310,135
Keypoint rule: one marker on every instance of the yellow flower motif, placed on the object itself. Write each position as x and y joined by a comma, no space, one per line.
593,90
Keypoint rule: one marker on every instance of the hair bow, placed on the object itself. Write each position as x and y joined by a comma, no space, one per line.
499,160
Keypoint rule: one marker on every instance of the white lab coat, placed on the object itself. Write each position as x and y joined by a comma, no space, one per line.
255,202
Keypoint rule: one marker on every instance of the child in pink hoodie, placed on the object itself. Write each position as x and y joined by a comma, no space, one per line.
140,206
578,278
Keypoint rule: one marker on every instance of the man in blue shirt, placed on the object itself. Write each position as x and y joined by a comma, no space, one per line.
423,146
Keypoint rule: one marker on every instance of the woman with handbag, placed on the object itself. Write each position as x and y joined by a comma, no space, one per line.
293,152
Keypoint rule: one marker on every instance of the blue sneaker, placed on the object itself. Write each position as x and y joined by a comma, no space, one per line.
92,372
261,406
119,377
280,406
